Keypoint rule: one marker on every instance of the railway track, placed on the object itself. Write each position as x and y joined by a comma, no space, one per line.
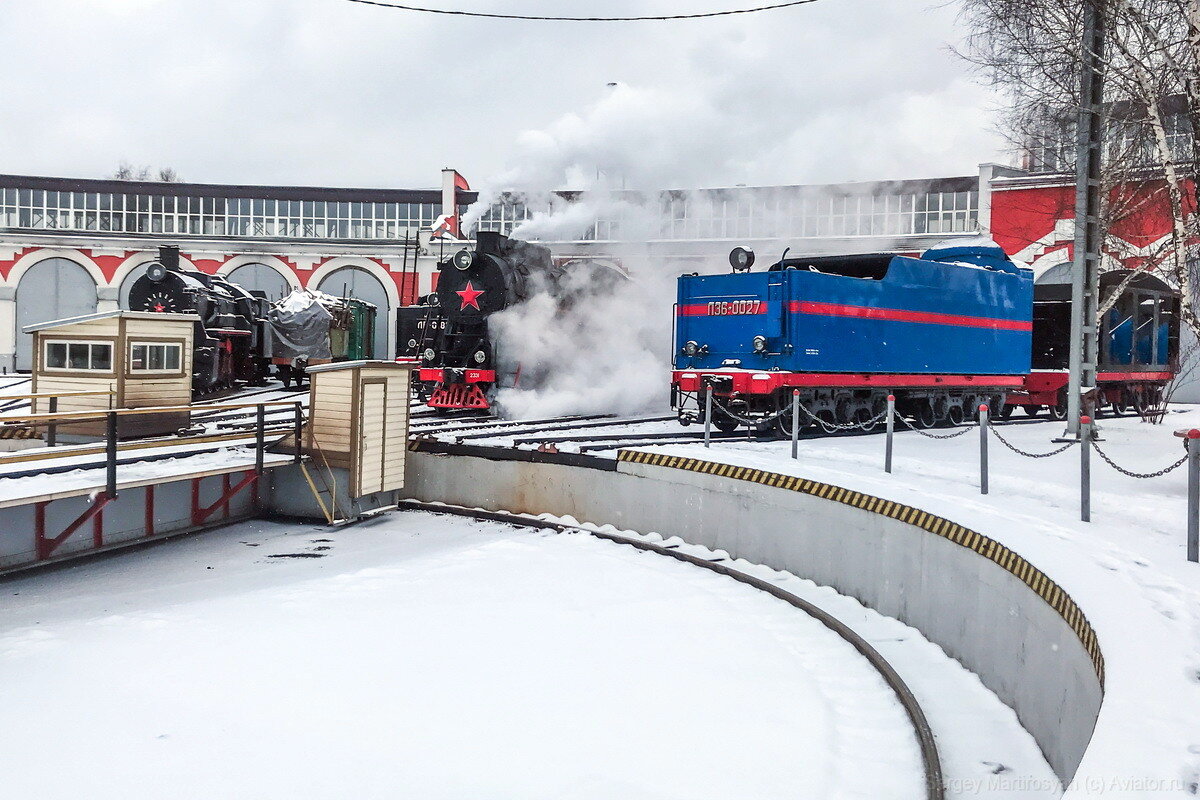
931,761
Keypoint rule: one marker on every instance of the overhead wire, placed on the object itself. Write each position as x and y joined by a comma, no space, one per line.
542,18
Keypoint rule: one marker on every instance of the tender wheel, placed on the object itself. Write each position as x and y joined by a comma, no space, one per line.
843,411
1031,411
862,415
1006,411
924,416
783,423
1120,407
954,415
1058,411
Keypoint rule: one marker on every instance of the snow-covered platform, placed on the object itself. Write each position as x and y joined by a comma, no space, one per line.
421,656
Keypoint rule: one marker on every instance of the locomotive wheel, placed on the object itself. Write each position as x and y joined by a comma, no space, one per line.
1120,407
1006,411
724,423
1030,410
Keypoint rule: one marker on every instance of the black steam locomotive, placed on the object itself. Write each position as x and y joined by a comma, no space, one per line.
232,336
447,331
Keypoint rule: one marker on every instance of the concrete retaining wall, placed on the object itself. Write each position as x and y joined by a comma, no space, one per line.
983,604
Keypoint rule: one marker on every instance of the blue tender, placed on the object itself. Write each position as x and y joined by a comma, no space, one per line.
964,310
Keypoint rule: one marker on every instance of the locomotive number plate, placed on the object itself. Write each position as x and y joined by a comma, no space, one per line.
727,308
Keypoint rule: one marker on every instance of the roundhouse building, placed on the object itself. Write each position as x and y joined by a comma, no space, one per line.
70,247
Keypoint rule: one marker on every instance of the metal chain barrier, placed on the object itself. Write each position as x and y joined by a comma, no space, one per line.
1026,453
828,427
834,427
1131,473
927,435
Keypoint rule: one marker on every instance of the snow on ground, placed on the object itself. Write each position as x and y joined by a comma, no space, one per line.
984,751
92,479
427,657
1126,568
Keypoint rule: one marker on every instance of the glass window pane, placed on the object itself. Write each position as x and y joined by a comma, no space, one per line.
137,358
172,359
156,356
77,356
102,356
56,355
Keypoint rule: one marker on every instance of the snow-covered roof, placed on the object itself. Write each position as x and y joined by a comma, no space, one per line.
58,323
355,364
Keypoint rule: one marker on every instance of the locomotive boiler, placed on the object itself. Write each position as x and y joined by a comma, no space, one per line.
447,331
232,334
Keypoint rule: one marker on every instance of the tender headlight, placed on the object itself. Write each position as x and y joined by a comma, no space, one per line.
429,354
480,356
760,344
691,348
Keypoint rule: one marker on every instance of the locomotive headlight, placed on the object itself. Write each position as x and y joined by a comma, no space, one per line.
741,259
463,259
429,354
760,344
691,348
480,356
412,344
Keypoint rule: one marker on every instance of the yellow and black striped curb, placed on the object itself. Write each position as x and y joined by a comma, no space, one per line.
990,549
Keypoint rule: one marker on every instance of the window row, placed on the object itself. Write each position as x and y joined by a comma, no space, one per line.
89,211
774,215
145,357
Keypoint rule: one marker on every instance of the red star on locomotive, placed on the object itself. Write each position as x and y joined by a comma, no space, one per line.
470,296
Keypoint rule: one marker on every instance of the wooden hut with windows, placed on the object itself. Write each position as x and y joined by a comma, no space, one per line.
143,359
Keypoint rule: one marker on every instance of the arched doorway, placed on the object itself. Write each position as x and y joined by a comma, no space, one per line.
260,278
56,288
360,284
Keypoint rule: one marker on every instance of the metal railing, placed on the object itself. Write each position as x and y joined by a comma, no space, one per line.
111,442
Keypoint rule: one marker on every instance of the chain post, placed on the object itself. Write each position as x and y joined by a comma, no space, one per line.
52,428
1085,469
983,448
708,391
795,424
1193,450
891,429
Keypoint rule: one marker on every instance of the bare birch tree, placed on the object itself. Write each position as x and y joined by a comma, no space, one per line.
1032,50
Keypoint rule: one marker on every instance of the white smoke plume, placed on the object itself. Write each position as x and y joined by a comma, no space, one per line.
608,352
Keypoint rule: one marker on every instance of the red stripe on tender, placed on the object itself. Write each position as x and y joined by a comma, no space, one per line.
898,315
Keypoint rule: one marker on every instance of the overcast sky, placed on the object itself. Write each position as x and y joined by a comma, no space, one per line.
328,92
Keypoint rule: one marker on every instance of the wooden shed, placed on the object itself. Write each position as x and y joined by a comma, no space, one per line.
358,421
143,358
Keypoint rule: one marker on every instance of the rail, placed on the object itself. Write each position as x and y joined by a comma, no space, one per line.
931,761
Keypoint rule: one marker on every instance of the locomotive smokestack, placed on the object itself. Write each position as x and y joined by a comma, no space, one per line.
168,256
